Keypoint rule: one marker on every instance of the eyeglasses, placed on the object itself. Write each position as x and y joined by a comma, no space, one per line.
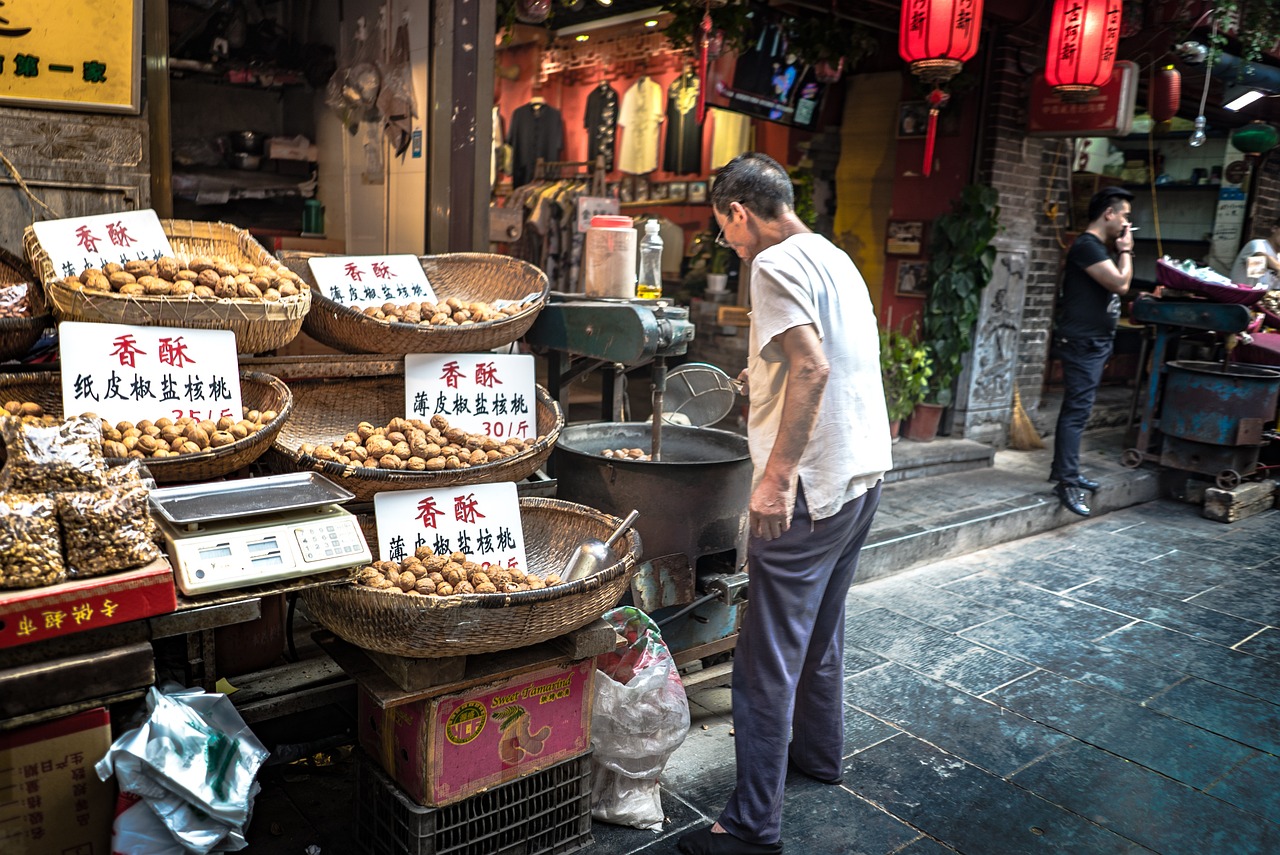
720,241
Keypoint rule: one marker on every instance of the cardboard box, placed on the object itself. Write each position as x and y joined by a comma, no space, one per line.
38,614
51,801
445,748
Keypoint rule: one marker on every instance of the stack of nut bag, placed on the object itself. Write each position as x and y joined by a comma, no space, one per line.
186,776
63,513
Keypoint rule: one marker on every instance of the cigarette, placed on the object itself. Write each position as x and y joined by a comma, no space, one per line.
1134,229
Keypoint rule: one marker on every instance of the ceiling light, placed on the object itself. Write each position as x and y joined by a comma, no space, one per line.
1243,100
605,2
652,22
582,37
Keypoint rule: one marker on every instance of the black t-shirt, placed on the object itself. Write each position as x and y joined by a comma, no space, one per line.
1085,309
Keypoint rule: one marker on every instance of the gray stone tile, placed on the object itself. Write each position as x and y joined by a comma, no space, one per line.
1067,616
1251,786
1173,748
1190,618
1240,598
931,651
1265,644
940,608
1224,711
1139,804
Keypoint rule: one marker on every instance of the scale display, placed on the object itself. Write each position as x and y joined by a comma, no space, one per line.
237,554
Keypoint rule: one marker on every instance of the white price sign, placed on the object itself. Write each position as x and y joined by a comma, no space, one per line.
477,392
594,206
361,281
128,373
479,520
78,243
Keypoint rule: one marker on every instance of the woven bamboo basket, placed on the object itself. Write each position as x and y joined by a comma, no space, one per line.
259,325
325,411
435,627
19,335
258,391
470,276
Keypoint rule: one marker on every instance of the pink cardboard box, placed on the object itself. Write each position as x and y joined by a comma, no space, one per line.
443,749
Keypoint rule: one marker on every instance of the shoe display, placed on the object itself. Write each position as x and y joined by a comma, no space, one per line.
1072,498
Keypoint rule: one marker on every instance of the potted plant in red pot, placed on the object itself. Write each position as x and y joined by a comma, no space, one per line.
904,369
961,259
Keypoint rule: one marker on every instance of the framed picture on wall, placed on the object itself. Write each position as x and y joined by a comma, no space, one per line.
911,279
641,193
913,121
677,191
905,237
627,189
698,192
659,192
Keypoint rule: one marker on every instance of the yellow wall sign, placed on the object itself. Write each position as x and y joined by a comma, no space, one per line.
71,54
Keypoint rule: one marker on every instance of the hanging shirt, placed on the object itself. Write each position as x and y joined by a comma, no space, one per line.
730,136
642,111
601,122
684,133
537,131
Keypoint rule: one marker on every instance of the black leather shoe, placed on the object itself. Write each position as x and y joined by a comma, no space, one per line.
1072,498
1088,483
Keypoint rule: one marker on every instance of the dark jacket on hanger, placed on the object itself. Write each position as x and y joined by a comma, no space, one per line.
684,134
537,131
601,122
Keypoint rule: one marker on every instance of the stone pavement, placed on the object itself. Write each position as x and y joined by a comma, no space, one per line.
1110,687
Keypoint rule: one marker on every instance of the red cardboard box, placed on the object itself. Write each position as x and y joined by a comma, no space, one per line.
38,614
445,748
51,801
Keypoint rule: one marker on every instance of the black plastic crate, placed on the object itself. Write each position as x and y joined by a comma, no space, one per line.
546,813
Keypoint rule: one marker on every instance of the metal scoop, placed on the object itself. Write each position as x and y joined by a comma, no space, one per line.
593,555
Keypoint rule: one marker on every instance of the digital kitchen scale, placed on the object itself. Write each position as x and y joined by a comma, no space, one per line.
240,533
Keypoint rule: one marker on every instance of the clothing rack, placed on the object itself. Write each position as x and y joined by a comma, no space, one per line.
550,170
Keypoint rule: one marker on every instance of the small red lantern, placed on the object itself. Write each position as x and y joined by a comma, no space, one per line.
1165,93
1082,46
937,37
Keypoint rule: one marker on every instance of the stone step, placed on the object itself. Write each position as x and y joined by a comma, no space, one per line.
939,456
923,520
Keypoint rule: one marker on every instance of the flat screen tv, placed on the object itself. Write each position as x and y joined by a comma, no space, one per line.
767,81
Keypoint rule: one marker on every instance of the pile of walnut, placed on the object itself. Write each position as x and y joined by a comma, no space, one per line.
197,277
15,302
449,313
625,453
170,438
29,413
428,574
416,446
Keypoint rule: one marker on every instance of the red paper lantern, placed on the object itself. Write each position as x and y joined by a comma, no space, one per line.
937,37
1082,46
1165,94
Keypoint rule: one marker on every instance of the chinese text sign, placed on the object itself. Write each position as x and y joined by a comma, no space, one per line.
78,243
479,520
371,280
483,393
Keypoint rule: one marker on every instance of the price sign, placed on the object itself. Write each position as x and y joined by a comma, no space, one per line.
594,206
480,520
361,281
477,392
129,373
78,243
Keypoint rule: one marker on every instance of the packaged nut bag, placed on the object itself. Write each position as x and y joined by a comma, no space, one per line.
66,456
30,548
107,531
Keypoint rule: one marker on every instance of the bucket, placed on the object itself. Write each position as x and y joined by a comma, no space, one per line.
1206,402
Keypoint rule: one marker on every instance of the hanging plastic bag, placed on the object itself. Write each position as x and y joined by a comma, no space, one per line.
193,764
640,717
396,101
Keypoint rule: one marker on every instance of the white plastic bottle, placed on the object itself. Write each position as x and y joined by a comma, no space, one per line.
649,283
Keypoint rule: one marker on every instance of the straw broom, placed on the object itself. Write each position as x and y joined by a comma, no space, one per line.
1022,433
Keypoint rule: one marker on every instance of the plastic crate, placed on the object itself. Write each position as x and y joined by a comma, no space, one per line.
546,813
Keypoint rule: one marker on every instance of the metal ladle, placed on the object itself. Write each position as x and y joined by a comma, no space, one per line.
594,555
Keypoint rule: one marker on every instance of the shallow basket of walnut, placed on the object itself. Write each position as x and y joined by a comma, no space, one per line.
173,452
465,277
327,414
260,321
429,626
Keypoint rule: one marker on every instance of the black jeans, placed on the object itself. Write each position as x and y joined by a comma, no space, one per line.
1082,362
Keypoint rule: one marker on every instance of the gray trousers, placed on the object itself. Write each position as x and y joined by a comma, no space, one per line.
789,661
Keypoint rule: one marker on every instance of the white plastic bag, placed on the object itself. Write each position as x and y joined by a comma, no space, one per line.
193,764
640,717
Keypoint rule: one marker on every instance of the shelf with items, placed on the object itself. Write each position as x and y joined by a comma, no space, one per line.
248,77
663,203
1175,186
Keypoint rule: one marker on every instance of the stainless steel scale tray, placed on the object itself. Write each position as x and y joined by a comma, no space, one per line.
199,503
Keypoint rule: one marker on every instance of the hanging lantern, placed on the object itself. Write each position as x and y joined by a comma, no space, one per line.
937,37
1255,138
1164,94
1083,35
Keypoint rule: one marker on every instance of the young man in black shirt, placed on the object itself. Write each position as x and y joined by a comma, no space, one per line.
1084,332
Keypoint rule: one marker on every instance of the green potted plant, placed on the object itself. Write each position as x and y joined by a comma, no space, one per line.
905,368
961,260
718,269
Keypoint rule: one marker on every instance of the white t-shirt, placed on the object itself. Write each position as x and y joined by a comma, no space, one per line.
644,107
806,279
1239,270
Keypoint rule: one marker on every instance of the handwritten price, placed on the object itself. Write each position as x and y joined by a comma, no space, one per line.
498,430
201,415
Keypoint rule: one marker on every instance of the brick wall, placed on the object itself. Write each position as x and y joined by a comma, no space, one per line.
1266,198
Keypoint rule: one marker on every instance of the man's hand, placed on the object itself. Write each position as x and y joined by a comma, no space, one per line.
743,389
771,508
1124,243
